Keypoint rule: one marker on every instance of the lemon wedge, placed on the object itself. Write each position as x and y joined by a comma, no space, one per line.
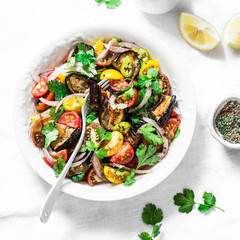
232,32
197,32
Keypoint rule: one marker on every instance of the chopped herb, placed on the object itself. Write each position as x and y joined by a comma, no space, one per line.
50,132
149,136
59,166
58,88
176,134
78,177
71,62
91,117
120,170
111,4
56,115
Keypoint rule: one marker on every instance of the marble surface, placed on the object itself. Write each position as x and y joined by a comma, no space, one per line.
26,28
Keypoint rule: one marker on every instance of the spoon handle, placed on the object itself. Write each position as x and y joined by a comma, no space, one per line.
51,197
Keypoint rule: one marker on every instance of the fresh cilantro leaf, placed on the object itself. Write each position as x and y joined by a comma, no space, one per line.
151,215
203,208
156,87
120,170
56,115
71,62
141,95
101,153
58,88
78,177
145,236
176,134
90,146
59,166
184,200
91,117
209,199
129,94
51,133
156,230
111,4
149,136
103,134
152,72
135,119
130,179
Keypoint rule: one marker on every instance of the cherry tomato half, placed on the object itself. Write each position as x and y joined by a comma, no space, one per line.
171,127
119,84
70,119
42,106
164,83
41,89
174,114
63,153
129,102
124,155
91,133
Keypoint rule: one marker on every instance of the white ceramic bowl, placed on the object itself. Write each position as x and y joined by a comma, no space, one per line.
181,87
212,125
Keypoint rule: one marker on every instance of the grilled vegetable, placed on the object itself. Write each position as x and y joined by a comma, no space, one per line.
66,138
164,85
93,178
82,168
109,117
78,83
95,97
87,47
132,137
128,63
161,111
91,133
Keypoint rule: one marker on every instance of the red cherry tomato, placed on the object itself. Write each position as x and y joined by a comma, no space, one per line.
130,102
124,155
174,114
41,89
107,59
164,85
42,106
133,164
70,119
119,84
63,153
171,127
47,162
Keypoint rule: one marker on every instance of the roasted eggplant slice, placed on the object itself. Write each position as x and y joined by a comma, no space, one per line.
132,137
66,137
161,111
109,117
129,64
82,168
95,95
87,47
78,83
164,84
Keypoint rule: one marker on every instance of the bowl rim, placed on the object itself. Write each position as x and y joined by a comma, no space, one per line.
176,64
212,125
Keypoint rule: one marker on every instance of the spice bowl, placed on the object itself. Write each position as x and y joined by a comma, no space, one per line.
212,123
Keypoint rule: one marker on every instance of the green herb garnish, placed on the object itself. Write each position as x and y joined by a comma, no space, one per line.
50,132
145,157
151,215
176,134
185,201
111,4
56,115
78,177
59,166
91,117
58,88
149,136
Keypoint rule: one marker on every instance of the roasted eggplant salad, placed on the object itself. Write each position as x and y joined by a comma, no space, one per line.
133,115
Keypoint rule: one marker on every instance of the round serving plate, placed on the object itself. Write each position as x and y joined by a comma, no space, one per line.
169,64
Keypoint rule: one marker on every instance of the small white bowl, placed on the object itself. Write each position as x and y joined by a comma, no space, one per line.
212,125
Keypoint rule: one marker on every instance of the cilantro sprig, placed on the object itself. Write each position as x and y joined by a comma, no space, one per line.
58,88
145,157
128,93
103,135
149,136
50,132
56,115
86,57
111,4
59,166
91,117
150,80
151,215
185,201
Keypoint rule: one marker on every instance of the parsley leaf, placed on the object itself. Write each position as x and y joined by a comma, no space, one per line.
51,133
150,137
58,88
130,179
91,117
151,215
111,4
135,119
176,134
59,166
56,115
71,62
90,146
101,153
185,201
129,94
103,134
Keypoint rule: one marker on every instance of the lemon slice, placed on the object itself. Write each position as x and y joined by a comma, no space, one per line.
197,32
232,32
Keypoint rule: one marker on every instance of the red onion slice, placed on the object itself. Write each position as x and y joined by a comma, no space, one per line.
105,51
118,49
113,105
69,97
129,45
75,164
144,101
49,103
70,54
48,157
80,156
98,168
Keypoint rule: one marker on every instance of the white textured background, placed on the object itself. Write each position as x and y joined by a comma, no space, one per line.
26,27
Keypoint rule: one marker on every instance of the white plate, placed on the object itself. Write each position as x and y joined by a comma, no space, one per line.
181,87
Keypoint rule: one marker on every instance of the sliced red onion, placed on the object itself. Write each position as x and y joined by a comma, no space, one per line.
98,168
68,97
48,157
70,54
75,164
118,49
129,45
129,169
49,103
79,157
105,51
144,101
113,105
